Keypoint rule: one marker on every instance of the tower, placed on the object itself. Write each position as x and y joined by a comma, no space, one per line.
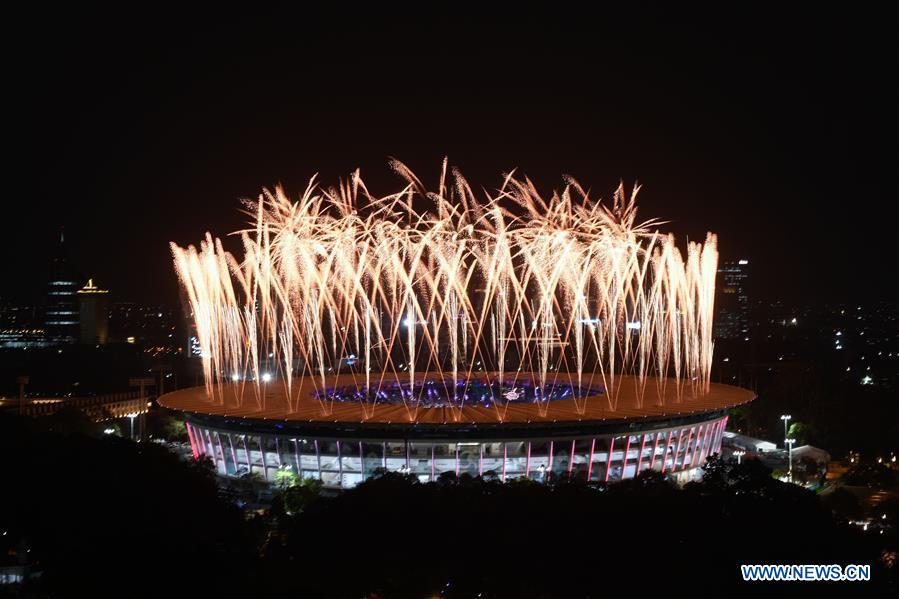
93,311
62,307
732,303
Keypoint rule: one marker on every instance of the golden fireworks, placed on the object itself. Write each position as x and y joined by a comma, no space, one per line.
420,284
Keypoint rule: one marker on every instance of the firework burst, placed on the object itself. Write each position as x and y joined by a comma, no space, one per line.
422,286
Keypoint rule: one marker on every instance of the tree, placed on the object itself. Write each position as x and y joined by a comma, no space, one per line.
167,425
113,510
175,429
800,431
285,478
298,497
715,471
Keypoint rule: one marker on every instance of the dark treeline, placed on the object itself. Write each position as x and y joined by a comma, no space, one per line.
107,517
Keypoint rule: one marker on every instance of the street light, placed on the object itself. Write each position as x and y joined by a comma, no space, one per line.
142,384
786,418
789,443
740,453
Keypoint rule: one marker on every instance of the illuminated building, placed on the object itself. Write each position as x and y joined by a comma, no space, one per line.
93,313
732,302
344,447
61,322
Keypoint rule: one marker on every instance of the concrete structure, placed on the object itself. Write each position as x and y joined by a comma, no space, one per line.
342,443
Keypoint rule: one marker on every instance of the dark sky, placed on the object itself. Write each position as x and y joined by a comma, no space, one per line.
775,129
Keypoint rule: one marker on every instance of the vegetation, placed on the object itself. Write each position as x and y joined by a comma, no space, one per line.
104,516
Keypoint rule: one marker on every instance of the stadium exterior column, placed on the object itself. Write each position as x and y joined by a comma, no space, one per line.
627,448
640,459
609,458
590,458
655,448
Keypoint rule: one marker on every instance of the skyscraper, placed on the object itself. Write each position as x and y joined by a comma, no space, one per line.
62,306
732,301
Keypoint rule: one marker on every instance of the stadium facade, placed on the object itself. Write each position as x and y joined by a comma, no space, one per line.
658,428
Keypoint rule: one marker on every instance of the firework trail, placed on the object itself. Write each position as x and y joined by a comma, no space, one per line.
446,286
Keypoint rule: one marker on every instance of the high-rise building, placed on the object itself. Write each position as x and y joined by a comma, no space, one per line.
62,306
732,301
93,312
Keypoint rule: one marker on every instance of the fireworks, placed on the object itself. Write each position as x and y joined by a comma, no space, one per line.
420,286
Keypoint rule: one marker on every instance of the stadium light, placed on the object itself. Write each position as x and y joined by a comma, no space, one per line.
786,418
789,443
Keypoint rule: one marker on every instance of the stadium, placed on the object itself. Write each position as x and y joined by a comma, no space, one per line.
346,446
502,336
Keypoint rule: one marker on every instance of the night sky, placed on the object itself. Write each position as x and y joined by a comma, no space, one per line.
777,130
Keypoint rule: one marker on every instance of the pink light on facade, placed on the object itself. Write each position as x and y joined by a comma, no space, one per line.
667,449
683,464
571,460
697,446
713,439
201,442
711,448
705,441
190,435
721,435
655,449
640,459
609,458
590,461
627,448
680,438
